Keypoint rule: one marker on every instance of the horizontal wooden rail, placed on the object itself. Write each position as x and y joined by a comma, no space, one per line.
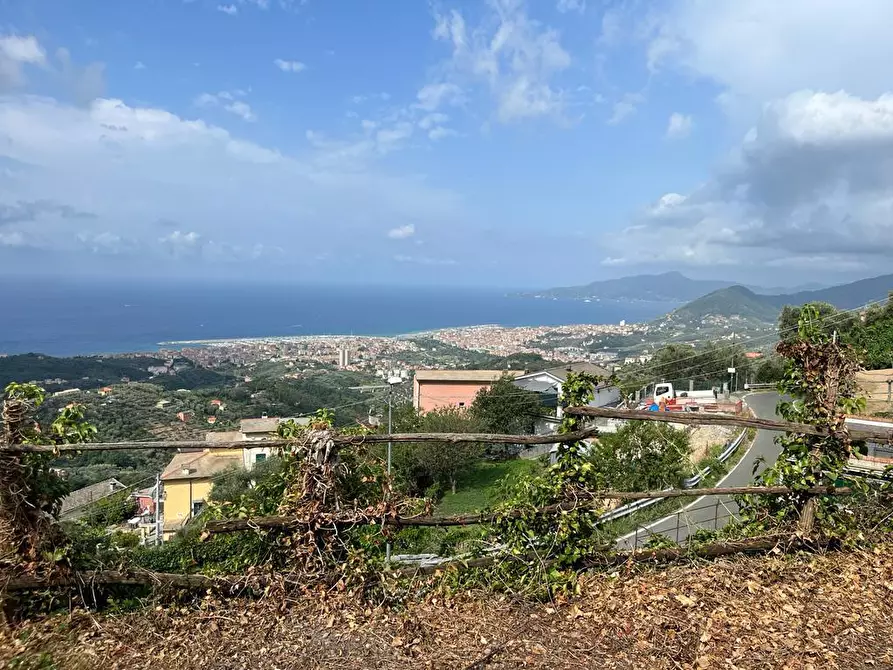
882,435
376,438
286,523
233,583
703,419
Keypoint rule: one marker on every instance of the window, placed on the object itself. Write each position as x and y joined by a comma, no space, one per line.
461,404
260,458
197,507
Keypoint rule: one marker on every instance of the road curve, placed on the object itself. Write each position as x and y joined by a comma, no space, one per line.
715,511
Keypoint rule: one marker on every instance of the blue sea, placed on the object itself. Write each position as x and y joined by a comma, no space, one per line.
81,317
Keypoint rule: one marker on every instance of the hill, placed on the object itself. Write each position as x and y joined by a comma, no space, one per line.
844,296
738,301
734,301
666,287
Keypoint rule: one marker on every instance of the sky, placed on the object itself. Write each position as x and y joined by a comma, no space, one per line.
491,142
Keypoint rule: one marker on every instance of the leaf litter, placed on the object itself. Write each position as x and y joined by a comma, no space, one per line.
804,612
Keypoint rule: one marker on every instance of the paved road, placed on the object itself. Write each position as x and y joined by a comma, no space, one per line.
715,511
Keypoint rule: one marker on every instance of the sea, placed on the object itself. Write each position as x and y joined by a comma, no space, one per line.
68,318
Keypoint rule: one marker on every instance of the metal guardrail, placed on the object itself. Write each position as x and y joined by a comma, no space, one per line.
613,515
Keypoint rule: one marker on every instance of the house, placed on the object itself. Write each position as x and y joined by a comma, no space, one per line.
188,480
253,430
549,382
432,389
145,500
77,502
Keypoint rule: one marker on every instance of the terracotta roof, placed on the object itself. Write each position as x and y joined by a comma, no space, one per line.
199,465
462,375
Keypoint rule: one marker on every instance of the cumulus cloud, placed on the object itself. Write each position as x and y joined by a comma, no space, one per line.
15,52
289,65
232,10
679,126
402,232
120,169
759,50
515,57
812,179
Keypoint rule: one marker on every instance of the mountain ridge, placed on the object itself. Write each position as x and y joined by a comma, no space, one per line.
672,286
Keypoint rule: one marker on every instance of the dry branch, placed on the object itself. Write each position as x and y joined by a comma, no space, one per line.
101,577
698,418
289,523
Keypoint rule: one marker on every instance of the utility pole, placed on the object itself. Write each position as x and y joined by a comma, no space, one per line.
158,509
392,382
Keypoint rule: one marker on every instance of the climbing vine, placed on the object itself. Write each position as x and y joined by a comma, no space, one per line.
557,540
30,492
820,380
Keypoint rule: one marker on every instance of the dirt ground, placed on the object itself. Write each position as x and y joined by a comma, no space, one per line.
704,437
800,613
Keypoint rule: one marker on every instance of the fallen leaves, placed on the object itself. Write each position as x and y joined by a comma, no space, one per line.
801,613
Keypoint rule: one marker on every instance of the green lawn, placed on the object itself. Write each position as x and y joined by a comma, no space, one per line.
479,488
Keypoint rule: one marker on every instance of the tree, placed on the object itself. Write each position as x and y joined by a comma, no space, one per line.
423,464
830,318
505,408
641,456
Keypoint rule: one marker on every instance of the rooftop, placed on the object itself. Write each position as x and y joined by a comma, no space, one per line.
89,494
462,375
268,424
199,465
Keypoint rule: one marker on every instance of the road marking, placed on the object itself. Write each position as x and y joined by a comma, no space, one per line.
696,500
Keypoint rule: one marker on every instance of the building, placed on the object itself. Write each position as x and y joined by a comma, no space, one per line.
343,357
254,430
145,500
549,382
432,389
188,480
76,503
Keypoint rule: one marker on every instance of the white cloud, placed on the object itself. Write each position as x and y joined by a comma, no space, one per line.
289,65
813,178
432,96
760,50
22,49
565,6
139,65
625,108
514,56
230,102
679,126
439,132
424,260
434,119
16,51
232,10
133,166
402,232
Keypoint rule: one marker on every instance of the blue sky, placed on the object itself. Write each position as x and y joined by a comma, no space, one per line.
501,143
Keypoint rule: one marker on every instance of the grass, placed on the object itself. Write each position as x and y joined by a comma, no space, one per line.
476,491
479,488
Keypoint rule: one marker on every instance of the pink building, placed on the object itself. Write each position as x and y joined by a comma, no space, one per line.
432,389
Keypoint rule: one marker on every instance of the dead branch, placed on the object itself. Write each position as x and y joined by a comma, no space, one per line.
290,523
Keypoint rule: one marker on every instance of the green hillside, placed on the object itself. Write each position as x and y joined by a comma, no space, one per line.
734,301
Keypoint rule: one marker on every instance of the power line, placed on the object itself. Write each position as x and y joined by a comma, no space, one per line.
832,319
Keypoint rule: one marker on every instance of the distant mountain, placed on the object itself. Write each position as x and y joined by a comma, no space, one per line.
845,296
743,302
666,287
727,302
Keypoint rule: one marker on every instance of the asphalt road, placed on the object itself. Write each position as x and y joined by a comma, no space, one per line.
715,511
